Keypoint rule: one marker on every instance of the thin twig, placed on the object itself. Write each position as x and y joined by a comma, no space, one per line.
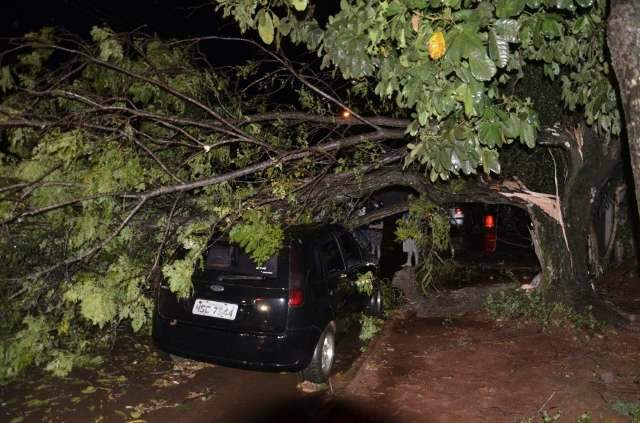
544,404
290,68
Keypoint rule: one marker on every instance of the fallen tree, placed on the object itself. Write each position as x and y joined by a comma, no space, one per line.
116,150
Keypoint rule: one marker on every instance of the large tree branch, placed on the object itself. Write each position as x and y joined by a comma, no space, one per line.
334,145
381,121
344,143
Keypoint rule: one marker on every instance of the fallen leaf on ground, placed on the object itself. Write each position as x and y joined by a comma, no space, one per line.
309,387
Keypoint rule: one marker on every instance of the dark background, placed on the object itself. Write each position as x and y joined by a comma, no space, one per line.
167,18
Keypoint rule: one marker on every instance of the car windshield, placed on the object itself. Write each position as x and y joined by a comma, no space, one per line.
233,259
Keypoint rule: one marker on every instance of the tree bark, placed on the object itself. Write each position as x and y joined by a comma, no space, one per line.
623,38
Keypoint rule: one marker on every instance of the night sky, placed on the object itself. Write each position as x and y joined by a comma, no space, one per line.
168,18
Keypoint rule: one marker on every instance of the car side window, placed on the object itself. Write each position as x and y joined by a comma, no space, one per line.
330,257
350,250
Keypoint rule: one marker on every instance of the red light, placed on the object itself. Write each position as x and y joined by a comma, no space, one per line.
296,297
296,294
489,221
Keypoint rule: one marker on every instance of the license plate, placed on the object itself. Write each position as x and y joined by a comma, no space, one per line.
215,309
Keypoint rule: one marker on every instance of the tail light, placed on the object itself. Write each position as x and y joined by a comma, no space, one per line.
489,221
296,293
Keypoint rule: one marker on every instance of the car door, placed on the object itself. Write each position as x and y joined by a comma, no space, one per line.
352,300
333,271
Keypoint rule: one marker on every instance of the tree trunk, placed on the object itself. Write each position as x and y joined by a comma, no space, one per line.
623,38
569,253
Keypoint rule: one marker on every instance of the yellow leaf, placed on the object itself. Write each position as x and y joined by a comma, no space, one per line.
436,45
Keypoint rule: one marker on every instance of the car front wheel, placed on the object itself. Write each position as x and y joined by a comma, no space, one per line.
319,369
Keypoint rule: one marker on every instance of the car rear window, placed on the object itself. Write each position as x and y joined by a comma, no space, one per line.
233,259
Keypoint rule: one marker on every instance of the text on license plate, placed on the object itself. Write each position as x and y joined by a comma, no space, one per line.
215,309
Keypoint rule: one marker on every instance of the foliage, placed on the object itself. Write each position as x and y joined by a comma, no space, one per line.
627,409
27,346
369,327
515,304
116,148
451,64
428,225
81,235
258,236
113,296
365,284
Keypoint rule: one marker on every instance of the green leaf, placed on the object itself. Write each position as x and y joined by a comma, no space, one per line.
585,3
599,94
416,4
265,27
551,27
498,49
482,67
581,24
299,5
490,161
490,134
465,95
462,44
528,135
508,8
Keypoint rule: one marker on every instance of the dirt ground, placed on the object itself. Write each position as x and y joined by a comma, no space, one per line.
452,364
470,369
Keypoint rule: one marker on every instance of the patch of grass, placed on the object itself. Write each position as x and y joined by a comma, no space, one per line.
518,304
627,408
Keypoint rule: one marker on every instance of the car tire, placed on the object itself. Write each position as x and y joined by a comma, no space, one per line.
376,304
319,369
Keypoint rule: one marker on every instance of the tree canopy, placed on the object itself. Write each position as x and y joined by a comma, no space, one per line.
116,148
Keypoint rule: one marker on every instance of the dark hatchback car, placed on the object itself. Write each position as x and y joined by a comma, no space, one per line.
279,316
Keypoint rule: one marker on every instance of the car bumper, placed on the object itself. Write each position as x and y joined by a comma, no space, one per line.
289,351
